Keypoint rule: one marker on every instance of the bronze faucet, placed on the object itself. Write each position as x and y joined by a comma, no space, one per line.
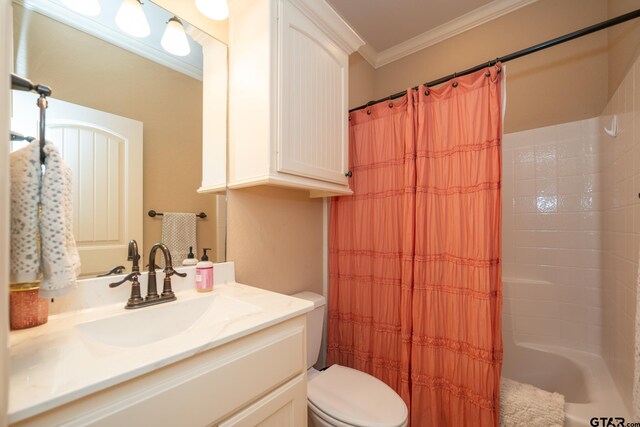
167,292
136,300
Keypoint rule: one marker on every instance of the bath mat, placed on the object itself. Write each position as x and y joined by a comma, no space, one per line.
526,405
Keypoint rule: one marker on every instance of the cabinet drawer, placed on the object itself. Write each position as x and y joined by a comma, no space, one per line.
197,391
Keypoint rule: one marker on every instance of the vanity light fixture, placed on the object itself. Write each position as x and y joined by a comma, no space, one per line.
132,20
174,40
214,9
84,7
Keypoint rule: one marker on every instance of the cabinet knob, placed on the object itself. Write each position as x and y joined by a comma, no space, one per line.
348,174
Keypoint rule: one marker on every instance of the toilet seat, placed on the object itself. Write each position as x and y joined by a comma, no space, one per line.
346,397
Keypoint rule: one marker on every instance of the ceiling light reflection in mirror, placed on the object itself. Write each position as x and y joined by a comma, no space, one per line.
174,39
132,20
214,9
103,26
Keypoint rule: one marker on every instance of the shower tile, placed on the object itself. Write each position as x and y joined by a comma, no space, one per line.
569,131
525,204
545,168
547,204
524,155
570,167
545,152
525,187
524,170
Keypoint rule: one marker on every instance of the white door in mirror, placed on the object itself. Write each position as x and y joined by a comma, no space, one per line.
104,152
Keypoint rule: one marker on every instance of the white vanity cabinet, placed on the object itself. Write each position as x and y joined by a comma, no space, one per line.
288,95
257,380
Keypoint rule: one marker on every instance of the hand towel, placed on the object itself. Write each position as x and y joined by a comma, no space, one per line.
60,258
178,233
25,170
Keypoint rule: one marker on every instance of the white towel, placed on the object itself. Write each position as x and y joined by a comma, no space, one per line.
60,258
25,199
526,405
179,233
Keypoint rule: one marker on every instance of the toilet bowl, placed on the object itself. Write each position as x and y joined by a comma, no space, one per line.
341,396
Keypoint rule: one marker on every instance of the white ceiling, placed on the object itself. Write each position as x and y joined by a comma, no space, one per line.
396,28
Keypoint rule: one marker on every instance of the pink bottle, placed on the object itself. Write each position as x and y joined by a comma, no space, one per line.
204,273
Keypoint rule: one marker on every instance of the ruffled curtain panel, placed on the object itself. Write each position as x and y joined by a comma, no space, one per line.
415,276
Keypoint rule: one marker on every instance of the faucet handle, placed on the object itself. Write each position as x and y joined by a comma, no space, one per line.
135,299
169,271
115,270
133,276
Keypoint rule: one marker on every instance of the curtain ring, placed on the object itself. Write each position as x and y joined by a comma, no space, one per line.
426,90
390,103
368,104
488,73
455,83
499,69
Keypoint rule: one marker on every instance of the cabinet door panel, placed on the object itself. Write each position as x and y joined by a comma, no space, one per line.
313,100
285,407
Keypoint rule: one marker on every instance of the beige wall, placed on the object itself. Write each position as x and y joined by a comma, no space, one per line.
561,84
274,235
90,72
361,80
623,42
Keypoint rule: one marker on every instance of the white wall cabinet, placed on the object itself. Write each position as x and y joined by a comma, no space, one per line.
288,95
214,112
258,380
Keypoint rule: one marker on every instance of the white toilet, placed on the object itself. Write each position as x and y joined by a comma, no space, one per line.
341,396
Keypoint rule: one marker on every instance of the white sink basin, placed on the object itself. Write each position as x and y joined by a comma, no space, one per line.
142,326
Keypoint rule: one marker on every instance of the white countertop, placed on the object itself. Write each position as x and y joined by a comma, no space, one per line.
55,363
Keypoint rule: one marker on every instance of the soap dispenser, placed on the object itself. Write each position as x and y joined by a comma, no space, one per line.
191,258
204,273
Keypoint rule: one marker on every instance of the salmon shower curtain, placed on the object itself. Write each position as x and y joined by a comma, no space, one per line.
414,255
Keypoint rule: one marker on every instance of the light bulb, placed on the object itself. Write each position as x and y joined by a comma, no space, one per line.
174,40
84,7
214,9
131,19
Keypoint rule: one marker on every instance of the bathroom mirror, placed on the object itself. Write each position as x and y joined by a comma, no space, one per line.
97,69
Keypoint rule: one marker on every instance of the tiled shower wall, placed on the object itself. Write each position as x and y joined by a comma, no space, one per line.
571,233
551,235
621,230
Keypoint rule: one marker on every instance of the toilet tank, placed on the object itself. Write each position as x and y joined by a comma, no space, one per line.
315,320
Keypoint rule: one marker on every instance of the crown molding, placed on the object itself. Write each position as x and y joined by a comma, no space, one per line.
369,54
475,18
87,25
324,16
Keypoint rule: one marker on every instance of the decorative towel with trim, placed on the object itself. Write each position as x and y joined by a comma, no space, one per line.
25,198
178,233
60,258
526,405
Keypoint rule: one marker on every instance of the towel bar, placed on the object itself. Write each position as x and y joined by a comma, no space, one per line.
153,213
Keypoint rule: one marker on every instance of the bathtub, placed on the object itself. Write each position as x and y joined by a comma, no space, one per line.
581,377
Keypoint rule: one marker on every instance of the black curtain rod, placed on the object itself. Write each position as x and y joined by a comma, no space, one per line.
515,55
